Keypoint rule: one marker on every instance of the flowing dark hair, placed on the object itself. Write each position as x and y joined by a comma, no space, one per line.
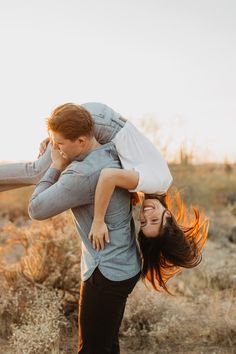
177,246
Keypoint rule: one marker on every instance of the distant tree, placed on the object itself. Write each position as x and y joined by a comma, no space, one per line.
186,155
228,168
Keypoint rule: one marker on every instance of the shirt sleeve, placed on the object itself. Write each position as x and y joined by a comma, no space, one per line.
57,192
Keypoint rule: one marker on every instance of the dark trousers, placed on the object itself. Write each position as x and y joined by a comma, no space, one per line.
101,309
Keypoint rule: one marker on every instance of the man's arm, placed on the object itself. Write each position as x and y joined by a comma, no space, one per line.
58,192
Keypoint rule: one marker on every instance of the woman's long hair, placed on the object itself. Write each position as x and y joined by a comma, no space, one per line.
179,243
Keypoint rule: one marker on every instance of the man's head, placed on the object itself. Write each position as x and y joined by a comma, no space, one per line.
71,129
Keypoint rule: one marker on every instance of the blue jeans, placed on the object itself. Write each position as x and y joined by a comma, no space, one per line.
21,174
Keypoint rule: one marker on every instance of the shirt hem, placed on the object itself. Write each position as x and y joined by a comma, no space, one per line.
105,274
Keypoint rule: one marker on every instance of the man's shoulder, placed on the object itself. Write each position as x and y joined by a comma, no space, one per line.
95,161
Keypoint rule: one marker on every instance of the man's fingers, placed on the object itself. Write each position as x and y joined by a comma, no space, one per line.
90,236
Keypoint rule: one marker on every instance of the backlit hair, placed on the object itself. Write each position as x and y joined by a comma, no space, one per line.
71,121
178,245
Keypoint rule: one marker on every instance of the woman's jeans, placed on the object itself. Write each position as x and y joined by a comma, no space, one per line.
101,309
21,174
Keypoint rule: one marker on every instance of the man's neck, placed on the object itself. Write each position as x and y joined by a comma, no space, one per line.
91,145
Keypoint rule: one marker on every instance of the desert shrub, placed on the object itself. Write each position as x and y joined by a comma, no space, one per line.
161,323
220,318
43,256
50,253
39,327
228,167
9,310
14,203
222,279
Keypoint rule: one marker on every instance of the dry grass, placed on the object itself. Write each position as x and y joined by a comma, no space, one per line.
202,311
40,278
209,186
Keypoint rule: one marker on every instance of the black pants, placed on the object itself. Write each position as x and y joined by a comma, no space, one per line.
101,309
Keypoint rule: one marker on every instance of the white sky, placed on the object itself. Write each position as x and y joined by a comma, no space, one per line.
173,60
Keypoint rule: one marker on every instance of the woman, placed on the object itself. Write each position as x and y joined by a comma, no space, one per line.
167,243
165,246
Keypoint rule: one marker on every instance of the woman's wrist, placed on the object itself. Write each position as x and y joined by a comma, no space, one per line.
98,219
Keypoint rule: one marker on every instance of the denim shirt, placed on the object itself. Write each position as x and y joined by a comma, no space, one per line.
75,188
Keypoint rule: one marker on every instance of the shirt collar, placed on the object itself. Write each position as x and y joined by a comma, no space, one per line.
85,154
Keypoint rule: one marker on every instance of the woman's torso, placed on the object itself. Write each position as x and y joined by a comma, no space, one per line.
135,150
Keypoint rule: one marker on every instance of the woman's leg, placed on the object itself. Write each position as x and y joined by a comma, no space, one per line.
107,122
21,174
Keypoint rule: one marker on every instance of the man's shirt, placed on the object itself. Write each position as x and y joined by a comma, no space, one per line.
75,188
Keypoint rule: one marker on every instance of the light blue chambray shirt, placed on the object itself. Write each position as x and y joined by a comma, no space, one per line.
75,188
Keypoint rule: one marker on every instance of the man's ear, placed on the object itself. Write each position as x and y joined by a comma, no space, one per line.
82,139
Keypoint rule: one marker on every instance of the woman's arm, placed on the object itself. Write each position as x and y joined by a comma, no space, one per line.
109,179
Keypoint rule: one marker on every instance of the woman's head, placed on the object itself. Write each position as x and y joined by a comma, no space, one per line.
169,242
153,216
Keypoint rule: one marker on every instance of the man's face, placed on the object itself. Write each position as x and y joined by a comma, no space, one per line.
69,149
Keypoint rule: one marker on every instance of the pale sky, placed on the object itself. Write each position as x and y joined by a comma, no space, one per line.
172,60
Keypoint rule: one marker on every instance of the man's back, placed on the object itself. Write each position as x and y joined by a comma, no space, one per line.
119,260
75,189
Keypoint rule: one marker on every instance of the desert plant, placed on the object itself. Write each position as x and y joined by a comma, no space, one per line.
50,255
39,327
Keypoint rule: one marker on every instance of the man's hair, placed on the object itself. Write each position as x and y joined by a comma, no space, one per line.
71,121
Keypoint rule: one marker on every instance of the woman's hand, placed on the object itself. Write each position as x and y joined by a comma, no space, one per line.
98,234
43,146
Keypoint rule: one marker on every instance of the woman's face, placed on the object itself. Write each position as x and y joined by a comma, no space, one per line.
151,214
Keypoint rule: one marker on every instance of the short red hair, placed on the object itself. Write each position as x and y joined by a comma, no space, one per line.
71,121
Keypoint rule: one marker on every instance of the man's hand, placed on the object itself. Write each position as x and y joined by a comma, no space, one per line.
58,160
98,234
43,146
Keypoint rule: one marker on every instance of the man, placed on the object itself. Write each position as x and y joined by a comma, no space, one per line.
108,276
